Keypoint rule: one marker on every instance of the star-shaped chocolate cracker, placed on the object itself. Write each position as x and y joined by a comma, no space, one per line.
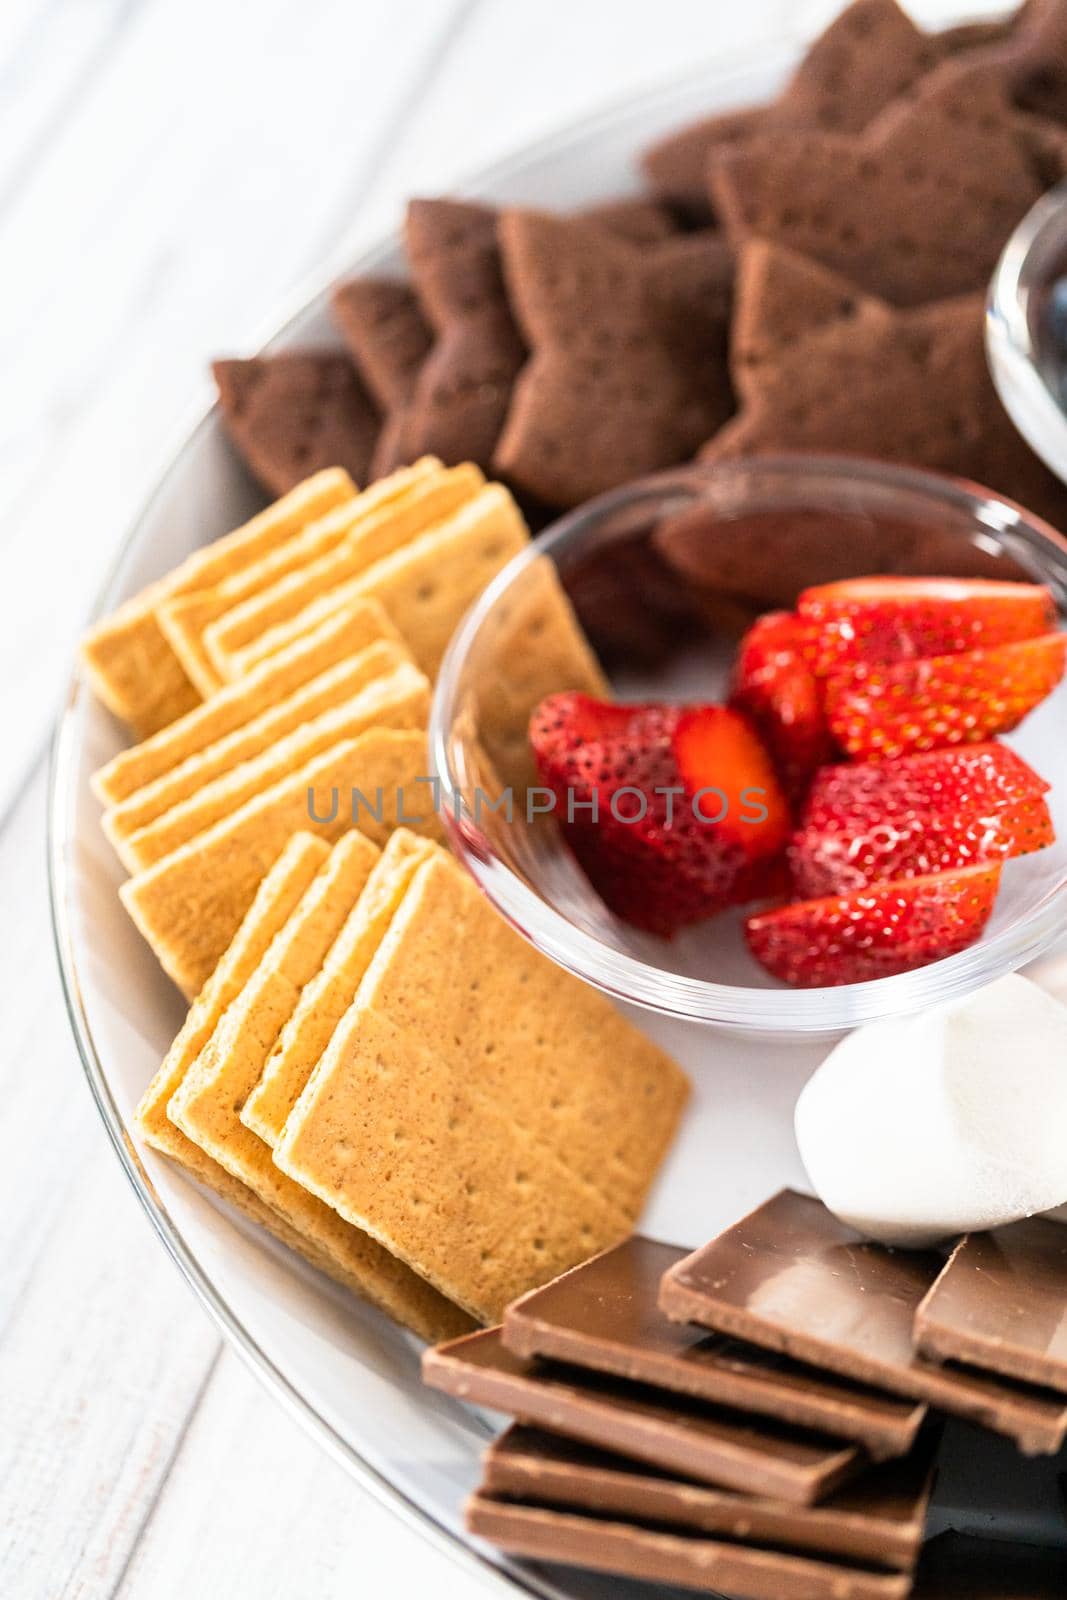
290,415
818,365
915,208
871,53
463,389
628,345
389,339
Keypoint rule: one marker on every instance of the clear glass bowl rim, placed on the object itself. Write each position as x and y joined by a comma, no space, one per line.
627,978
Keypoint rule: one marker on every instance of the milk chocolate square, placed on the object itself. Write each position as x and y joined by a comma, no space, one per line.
604,1316
690,1437
658,1555
1001,1304
791,1278
878,1519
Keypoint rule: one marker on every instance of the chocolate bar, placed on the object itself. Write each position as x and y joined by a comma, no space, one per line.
879,1519
791,1278
747,1573
1001,1304
604,1316
690,1437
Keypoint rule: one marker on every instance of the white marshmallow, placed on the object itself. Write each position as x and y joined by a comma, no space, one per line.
954,1120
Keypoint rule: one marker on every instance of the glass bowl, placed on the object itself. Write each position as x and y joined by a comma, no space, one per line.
767,528
1026,329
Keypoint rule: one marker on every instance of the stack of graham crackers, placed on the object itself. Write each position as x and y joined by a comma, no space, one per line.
759,1417
374,1066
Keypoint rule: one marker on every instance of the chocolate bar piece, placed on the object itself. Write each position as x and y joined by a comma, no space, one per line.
604,1316
1001,1304
605,1545
879,1519
689,1437
791,1278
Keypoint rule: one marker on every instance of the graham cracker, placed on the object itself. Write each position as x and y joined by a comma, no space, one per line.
346,633
328,996
332,688
189,905
427,587
538,648
276,899
488,1117
184,618
128,660
424,506
204,1105
400,700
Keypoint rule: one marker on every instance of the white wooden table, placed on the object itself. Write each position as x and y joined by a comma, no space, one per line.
169,171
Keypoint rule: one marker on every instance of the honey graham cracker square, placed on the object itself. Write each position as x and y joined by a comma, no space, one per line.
346,633
400,700
205,1104
427,502
328,996
488,1117
189,905
129,662
425,588
331,688
184,618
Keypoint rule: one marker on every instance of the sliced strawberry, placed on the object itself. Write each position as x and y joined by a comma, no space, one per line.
879,712
773,685
840,860
884,929
903,619
971,777
688,812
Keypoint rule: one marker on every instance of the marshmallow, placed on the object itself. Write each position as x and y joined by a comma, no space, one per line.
954,1120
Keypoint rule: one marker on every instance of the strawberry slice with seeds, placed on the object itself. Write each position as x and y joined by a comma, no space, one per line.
904,619
775,687
673,812
887,928
918,815
878,712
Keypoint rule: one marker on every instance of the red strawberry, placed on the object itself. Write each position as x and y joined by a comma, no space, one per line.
919,815
774,686
886,928
660,848
902,619
878,712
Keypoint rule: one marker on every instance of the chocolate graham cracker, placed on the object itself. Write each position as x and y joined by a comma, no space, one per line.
604,1316
791,1278
328,995
204,1105
916,208
1001,1304
606,1544
878,1518
466,1051
870,54
711,1444
820,365
292,414
627,371
189,905
389,338
351,631
130,664
186,619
